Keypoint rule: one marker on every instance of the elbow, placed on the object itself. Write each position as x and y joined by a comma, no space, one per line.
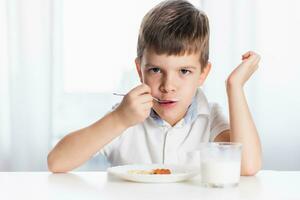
54,165
250,170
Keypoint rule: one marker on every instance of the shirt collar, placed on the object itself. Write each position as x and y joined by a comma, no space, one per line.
156,117
203,108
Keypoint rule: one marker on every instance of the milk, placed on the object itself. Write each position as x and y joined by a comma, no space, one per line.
220,172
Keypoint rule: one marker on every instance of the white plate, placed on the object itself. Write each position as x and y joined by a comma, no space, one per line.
178,173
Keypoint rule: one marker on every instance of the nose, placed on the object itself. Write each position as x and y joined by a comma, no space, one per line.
168,84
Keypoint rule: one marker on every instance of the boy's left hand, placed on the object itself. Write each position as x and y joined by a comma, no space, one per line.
243,72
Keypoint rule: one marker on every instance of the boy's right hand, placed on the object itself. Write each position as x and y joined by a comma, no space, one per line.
135,106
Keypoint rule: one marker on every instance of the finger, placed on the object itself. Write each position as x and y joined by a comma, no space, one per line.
145,98
141,89
258,57
255,63
148,106
252,58
248,55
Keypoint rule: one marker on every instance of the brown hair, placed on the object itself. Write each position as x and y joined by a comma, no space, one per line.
175,27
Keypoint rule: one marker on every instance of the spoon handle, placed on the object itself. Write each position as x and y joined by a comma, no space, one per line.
118,94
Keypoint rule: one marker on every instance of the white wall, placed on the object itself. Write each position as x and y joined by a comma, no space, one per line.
278,96
25,84
271,28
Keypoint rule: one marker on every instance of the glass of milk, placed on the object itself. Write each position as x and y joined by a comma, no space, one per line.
220,164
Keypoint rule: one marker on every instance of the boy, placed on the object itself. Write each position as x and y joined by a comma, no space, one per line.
172,63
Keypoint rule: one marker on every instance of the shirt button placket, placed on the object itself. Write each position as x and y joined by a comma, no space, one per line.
169,151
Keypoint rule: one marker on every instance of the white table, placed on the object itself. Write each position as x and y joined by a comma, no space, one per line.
98,185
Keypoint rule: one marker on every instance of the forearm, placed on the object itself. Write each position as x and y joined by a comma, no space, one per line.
77,147
243,130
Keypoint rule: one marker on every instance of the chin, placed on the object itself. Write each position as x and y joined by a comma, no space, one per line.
168,114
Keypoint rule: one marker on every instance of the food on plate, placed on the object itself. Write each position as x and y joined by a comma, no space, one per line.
140,171
153,171
161,171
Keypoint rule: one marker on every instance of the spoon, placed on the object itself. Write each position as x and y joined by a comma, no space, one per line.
159,101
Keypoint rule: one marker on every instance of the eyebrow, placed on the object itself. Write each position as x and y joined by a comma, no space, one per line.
185,67
150,65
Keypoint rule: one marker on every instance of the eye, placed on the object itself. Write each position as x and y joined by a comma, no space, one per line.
185,71
154,70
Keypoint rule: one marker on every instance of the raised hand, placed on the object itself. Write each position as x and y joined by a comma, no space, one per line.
135,106
244,71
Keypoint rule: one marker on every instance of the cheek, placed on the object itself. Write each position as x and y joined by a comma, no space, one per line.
147,80
190,88
153,84
150,80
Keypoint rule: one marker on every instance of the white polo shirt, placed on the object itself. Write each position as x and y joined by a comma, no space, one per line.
155,141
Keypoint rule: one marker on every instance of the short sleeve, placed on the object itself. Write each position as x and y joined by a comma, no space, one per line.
219,122
109,147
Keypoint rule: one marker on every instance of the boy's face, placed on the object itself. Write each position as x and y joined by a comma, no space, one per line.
173,79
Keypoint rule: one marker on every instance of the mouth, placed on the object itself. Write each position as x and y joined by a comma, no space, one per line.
167,102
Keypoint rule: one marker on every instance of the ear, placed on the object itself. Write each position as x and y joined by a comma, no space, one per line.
204,74
138,68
